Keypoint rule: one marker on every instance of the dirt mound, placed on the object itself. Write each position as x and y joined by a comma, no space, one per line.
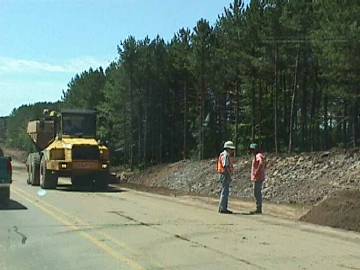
340,210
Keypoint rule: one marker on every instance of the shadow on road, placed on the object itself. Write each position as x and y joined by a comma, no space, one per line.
71,188
12,205
248,214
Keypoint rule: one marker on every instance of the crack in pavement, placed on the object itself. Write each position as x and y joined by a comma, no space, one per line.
183,238
348,267
87,228
137,222
23,236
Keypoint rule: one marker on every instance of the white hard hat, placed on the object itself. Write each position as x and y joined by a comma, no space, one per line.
229,145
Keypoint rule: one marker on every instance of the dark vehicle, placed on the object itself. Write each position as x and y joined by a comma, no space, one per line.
5,178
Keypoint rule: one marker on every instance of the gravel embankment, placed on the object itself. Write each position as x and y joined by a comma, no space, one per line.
303,178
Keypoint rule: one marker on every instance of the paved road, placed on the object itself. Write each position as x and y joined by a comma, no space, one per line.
125,229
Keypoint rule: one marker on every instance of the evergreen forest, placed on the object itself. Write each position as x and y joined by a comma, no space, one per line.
282,73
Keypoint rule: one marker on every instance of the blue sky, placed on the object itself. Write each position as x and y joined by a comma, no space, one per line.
44,43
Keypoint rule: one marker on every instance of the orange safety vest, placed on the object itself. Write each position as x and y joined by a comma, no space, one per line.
220,164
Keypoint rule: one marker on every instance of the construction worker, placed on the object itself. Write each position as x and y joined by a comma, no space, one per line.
225,169
258,168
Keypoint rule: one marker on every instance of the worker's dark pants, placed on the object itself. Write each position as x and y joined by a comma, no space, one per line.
258,194
225,180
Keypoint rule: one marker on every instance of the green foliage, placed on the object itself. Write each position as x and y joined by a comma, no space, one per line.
282,73
16,135
85,90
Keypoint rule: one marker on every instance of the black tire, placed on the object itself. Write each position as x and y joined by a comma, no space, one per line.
81,181
102,181
5,195
29,176
75,181
28,168
35,170
48,180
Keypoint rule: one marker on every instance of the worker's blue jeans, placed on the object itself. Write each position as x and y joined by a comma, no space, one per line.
225,180
258,194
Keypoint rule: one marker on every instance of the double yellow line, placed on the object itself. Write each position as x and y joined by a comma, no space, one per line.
70,221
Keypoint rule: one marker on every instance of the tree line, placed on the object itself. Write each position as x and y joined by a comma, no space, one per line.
283,73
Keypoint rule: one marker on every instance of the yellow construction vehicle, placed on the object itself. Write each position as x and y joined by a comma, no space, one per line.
67,147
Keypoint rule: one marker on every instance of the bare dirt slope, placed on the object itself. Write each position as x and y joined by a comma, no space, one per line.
341,210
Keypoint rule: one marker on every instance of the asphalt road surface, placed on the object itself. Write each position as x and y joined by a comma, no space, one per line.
125,229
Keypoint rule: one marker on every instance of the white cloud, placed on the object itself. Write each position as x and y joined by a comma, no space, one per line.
13,65
24,81
16,93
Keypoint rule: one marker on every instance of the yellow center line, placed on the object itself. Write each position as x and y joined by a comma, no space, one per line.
106,248
77,220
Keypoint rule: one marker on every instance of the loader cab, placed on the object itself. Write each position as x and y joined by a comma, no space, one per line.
77,124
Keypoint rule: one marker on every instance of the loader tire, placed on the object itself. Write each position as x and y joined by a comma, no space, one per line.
48,179
35,170
101,181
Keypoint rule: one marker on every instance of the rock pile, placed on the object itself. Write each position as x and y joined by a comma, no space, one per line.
302,178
